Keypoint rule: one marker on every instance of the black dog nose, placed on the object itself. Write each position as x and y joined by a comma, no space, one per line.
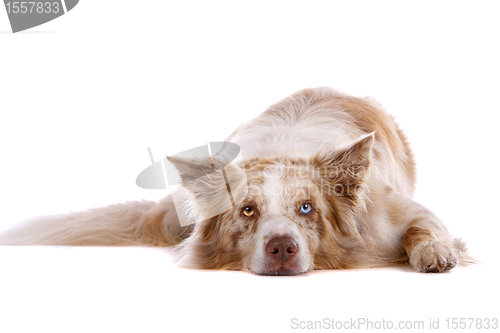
281,249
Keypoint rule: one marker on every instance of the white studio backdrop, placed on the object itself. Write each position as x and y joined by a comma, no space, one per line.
83,96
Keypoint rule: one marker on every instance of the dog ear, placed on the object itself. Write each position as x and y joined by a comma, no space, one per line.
215,184
348,169
193,168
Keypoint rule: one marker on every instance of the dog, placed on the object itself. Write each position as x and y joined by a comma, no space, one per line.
328,184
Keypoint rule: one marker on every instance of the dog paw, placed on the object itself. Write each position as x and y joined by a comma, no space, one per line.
433,257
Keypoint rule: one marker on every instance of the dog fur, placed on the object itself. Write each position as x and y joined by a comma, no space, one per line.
342,157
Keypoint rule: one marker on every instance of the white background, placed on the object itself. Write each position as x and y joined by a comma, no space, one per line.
82,97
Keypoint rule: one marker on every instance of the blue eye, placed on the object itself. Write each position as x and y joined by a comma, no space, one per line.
306,209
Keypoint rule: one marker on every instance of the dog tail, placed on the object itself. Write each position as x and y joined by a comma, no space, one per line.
131,223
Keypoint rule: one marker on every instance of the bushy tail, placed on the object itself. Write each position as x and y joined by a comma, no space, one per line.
131,223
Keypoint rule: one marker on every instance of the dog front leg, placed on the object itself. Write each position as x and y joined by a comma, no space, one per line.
428,244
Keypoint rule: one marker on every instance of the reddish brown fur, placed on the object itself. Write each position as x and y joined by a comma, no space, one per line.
215,248
415,236
154,231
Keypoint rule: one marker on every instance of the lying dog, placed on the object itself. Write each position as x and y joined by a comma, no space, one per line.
328,184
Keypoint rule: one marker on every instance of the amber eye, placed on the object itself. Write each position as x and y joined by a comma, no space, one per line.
248,211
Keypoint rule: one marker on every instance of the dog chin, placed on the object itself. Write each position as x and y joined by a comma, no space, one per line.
281,270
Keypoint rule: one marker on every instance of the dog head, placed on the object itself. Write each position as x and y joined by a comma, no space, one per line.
291,216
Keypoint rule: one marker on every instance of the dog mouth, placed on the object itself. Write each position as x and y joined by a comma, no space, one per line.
283,271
